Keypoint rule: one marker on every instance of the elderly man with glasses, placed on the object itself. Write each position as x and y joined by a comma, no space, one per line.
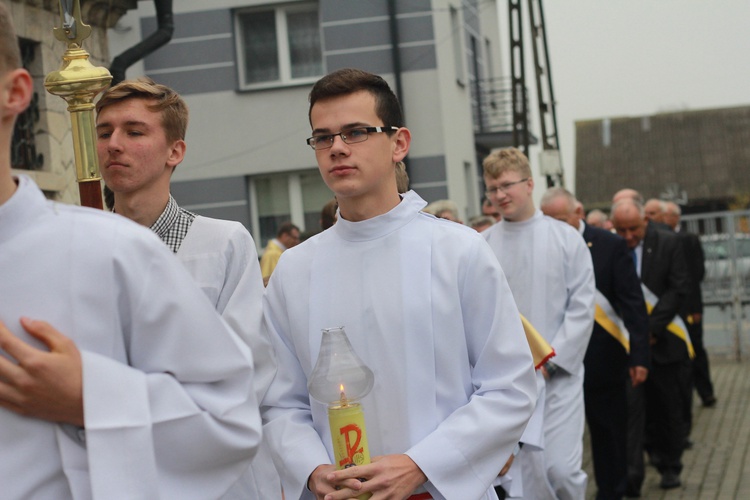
551,275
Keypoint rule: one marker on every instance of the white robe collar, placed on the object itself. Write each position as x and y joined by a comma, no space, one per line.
377,227
21,208
521,225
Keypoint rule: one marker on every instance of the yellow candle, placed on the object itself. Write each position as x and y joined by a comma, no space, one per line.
349,436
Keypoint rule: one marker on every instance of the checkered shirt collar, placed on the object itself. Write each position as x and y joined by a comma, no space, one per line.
173,224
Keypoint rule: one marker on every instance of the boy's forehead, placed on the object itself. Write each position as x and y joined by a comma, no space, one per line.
130,109
504,176
357,107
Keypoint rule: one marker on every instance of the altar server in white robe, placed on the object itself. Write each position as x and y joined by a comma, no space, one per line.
141,128
425,305
134,400
550,272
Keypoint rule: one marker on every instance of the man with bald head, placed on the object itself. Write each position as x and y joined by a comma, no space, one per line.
597,218
660,263
618,352
627,194
672,213
654,210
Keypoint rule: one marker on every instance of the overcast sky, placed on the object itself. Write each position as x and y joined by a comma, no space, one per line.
613,58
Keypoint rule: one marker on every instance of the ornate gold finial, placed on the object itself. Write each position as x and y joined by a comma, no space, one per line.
72,29
78,82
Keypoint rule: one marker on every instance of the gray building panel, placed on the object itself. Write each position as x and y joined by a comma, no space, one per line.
223,189
199,81
418,58
207,22
377,32
191,53
239,213
426,169
432,193
415,29
338,10
375,61
380,61
412,6
357,35
222,198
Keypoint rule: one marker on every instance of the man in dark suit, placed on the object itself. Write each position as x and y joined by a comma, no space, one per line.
660,263
693,311
612,359
656,214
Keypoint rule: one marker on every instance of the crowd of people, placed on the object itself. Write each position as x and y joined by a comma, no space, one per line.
644,356
141,355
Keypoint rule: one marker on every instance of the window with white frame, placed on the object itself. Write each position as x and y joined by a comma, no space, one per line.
291,196
278,45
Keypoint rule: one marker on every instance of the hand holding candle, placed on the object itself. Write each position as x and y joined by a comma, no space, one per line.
340,379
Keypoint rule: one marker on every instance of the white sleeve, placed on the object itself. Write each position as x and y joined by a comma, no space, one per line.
572,339
466,451
241,306
296,446
180,419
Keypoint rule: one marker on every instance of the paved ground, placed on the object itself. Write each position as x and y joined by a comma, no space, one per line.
718,465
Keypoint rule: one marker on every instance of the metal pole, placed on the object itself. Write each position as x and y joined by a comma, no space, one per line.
518,78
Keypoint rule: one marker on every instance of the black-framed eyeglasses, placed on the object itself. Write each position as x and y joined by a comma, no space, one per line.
503,187
350,136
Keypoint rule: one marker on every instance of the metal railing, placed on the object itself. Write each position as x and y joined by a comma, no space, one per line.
492,105
725,237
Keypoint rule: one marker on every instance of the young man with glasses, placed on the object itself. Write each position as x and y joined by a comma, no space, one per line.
549,270
425,305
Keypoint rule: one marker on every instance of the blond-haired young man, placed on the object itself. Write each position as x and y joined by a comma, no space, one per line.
551,276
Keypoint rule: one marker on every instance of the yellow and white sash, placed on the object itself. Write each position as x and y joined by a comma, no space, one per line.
677,326
605,315
541,351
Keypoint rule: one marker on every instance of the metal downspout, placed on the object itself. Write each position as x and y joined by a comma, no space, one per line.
162,36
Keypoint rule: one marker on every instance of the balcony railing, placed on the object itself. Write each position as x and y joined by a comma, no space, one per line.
492,105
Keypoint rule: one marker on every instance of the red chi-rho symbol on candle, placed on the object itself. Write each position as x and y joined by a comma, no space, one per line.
354,452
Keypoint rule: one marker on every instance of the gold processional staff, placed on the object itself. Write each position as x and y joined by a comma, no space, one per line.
78,82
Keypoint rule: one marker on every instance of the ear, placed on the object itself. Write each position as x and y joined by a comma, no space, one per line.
401,144
17,89
579,211
176,153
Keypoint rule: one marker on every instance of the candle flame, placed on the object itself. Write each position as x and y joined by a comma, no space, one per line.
343,395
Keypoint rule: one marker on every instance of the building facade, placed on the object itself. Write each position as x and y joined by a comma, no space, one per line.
699,159
246,67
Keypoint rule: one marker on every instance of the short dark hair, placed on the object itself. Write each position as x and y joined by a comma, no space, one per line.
286,228
348,81
328,214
